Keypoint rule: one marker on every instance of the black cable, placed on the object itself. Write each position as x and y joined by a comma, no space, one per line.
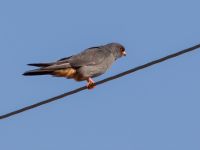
100,82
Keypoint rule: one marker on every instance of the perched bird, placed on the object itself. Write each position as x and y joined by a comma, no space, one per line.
90,63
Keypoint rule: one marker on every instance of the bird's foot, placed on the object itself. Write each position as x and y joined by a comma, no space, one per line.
90,83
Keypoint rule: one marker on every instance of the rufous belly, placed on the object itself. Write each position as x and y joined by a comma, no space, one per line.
68,73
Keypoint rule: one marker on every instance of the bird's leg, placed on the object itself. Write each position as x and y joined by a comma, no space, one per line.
90,83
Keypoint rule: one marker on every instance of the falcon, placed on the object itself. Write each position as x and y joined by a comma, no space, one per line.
85,65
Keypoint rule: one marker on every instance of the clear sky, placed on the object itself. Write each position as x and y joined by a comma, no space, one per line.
153,109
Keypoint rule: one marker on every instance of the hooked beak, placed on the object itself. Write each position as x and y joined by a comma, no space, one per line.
124,53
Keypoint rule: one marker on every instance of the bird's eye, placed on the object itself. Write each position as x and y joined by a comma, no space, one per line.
122,49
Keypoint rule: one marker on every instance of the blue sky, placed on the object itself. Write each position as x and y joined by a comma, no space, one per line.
156,108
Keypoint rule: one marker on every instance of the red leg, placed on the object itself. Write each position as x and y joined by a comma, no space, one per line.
90,83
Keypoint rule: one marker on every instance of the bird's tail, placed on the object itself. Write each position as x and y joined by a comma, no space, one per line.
37,72
40,71
55,69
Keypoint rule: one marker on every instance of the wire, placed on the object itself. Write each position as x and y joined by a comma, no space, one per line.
100,82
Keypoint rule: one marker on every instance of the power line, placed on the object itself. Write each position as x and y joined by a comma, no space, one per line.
101,82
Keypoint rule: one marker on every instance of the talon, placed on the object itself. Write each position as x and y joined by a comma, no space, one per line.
90,84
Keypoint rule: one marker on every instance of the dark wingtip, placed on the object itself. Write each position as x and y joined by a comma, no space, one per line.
26,74
30,64
35,65
39,64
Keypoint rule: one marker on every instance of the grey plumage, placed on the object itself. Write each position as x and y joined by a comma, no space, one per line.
92,62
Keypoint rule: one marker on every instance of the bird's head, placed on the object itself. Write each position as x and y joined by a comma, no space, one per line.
116,49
